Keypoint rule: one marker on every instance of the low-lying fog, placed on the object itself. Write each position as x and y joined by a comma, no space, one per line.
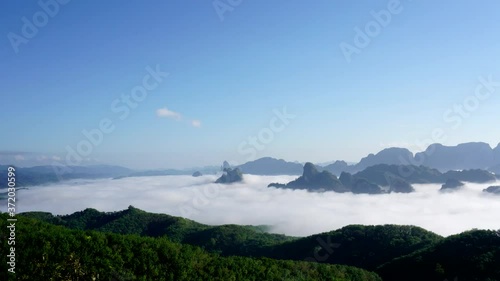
292,212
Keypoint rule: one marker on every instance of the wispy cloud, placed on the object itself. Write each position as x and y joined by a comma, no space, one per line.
196,123
165,112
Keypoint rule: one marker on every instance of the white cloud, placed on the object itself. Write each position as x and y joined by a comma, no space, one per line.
196,123
56,158
41,158
19,157
165,112
293,212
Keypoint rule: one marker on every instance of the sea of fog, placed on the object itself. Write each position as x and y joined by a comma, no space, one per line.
292,212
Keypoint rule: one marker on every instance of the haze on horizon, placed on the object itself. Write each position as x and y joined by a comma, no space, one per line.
300,81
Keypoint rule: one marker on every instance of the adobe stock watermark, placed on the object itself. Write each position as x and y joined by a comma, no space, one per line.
31,26
277,124
223,6
454,117
121,107
202,197
363,37
327,247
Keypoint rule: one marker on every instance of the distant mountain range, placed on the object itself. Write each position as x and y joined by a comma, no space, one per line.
38,175
474,155
466,156
51,174
383,178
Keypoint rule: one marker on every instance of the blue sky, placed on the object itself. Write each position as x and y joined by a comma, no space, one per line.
230,71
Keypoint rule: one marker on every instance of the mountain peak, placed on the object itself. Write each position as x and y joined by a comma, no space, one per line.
391,156
474,144
230,176
471,155
310,171
271,166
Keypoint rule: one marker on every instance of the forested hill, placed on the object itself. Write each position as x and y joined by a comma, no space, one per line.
226,239
472,255
48,252
362,246
391,251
